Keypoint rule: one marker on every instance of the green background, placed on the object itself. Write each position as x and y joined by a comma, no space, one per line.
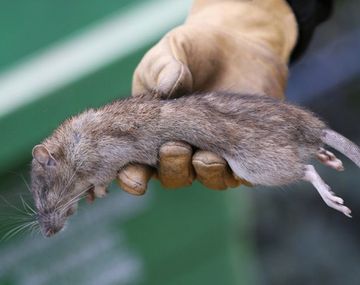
186,236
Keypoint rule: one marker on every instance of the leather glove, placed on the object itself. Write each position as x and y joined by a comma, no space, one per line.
234,45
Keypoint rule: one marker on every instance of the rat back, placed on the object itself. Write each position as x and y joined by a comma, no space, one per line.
264,140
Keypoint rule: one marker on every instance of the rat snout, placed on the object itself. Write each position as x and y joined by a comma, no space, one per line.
50,225
51,231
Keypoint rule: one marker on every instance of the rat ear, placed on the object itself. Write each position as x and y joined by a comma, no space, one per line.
43,156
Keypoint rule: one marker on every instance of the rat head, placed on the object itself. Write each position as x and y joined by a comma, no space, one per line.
56,188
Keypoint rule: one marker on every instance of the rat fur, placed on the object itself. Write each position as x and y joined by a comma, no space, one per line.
265,141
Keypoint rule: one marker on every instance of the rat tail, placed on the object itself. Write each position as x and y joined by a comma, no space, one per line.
342,144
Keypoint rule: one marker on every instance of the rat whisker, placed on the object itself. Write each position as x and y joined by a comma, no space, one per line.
34,228
23,229
13,206
76,197
25,182
19,218
70,180
22,178
5,237
73,176
14,231
73,199
27,207
11,221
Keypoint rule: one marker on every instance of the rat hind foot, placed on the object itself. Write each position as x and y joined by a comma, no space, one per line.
324,190
329,159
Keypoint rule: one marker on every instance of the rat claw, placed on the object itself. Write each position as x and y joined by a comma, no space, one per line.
325,192
336,199
100,191
347,212
322,157
95,192
329,159
90,197
340,201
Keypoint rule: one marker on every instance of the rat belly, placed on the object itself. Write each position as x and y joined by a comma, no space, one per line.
263,172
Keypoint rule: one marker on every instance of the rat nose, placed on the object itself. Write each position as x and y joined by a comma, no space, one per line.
51,223
51,231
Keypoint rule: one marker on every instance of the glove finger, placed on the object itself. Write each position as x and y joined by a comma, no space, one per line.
163,70
213,171
134,178
175,168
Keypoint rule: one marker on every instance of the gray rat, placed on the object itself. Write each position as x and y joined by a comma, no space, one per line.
265,141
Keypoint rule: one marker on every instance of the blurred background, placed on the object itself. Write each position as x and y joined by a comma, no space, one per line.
59,57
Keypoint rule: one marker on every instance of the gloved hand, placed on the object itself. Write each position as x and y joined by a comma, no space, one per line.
234,45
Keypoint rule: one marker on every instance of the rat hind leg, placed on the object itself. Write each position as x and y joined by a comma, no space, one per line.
276,172
329,159
324,190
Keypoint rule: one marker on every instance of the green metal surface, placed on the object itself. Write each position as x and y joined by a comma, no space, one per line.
27,27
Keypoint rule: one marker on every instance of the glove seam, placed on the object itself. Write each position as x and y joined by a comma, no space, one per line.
181,73
208,164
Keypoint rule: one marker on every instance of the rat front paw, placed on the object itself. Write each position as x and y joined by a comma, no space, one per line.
100,191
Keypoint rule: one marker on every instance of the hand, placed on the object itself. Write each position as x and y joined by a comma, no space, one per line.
221,46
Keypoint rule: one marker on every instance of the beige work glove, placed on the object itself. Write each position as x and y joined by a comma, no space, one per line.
240,46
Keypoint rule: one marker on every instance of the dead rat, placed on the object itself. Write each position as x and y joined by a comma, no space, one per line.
265,141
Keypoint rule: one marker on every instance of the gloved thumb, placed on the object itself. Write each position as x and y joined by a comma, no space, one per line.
163,70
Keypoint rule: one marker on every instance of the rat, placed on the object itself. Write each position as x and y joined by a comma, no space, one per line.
264,140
